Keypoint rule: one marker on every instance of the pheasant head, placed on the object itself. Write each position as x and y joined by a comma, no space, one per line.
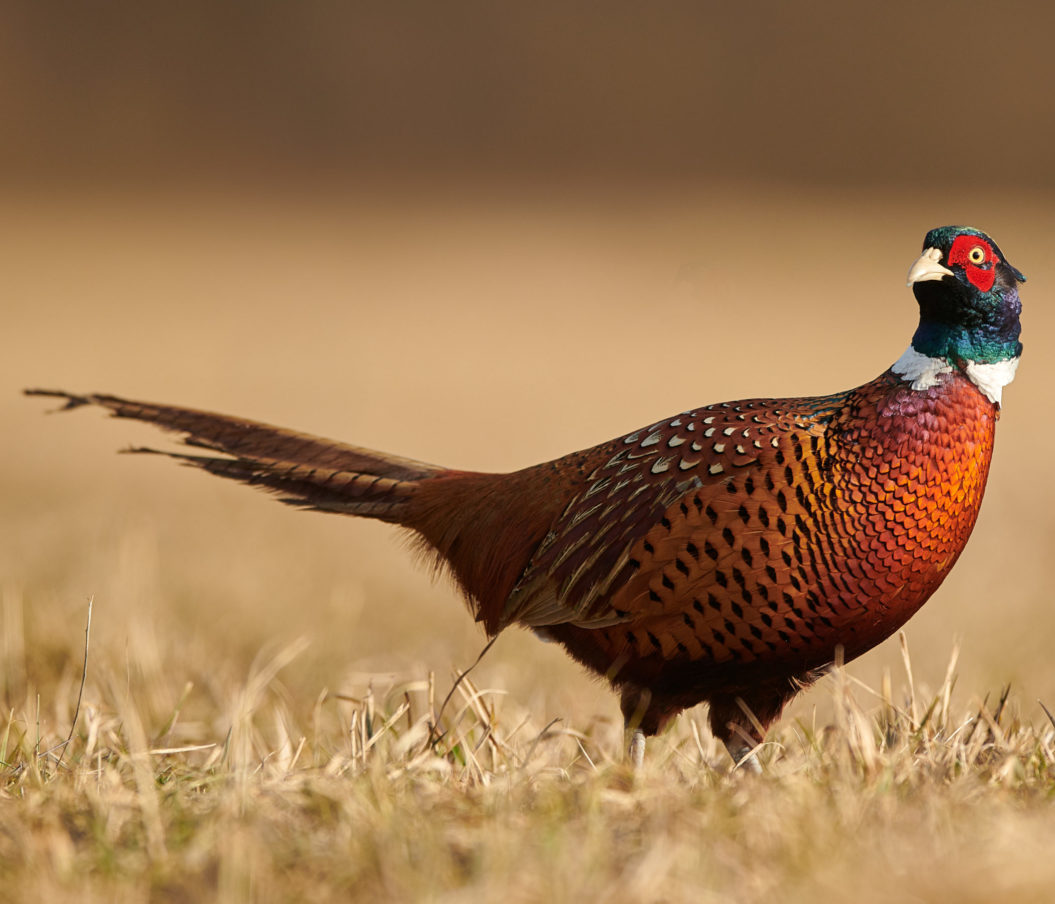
969,312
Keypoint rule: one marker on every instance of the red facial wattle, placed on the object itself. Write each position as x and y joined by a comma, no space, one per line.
981,271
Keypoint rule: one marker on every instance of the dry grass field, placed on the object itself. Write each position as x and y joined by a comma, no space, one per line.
260,718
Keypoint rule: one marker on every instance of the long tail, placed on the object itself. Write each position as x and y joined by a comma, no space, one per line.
301,470
484,527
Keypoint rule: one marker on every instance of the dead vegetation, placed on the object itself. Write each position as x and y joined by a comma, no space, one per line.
389,792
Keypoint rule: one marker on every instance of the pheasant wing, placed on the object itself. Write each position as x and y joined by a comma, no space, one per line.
657,511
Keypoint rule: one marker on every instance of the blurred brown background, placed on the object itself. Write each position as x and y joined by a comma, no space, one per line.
831,92
481,234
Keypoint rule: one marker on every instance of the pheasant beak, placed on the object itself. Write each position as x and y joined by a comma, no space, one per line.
927,267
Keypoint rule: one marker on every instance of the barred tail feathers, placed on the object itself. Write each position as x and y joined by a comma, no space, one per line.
300,469
460,518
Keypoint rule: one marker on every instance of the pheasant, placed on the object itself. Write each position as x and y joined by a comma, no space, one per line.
723,554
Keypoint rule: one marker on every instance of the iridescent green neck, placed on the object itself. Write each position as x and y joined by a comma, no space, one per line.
988,337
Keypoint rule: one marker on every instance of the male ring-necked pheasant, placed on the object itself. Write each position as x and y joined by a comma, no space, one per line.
720,555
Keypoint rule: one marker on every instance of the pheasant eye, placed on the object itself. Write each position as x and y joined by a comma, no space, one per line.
976,255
